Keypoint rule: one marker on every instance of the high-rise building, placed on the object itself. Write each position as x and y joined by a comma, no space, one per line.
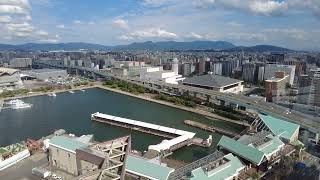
216,68
175,66
186,69
271,69
309,88
275,87
248,72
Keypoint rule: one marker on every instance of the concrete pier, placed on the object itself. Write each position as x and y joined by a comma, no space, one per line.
178,138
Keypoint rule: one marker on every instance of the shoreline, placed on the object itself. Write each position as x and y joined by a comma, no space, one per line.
46,93
207,114
192,110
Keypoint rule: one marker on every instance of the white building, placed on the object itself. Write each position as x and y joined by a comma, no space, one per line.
9,79
158,74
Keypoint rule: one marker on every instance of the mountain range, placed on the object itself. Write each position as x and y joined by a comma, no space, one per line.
149,45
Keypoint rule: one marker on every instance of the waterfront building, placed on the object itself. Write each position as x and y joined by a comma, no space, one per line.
10,79
12,154
85,159
287,131
46,74
275,87
216,83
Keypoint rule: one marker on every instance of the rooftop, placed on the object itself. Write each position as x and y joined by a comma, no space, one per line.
225,171
247,152
279,127
145,168
210,80
7,71
43,70
67,143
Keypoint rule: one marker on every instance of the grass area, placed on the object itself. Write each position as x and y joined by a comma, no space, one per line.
125,86
176,100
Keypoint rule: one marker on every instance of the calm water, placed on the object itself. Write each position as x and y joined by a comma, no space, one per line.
72,113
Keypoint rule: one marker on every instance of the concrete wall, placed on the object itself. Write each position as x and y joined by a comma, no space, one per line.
63,159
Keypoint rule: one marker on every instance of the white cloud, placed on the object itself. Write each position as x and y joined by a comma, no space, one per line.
5,19
153,33
195,36
261,7
61,26
121,23
155,2
125,38
77,22
234,24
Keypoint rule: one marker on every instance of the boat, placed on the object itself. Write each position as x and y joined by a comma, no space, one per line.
82,90
12,154
19,104
71,92
52,94
14,101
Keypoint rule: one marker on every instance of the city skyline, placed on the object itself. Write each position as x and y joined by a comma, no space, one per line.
289,23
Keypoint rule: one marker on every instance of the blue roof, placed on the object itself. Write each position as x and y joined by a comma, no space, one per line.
279,127
67,143
142,167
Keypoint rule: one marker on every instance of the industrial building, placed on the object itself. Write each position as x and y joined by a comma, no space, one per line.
46,74
216,83
10,79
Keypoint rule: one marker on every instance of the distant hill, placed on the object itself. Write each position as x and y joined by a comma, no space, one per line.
260,48
149,45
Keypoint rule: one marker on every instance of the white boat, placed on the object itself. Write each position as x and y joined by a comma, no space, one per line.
71,92
19,104
52,94
14,101
82,90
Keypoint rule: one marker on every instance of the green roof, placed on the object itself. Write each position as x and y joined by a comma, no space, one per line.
3,150
142,167
280,127
67,143
224,171
270,147
247,152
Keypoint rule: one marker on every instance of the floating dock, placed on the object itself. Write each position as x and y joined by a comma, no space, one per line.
178,138
210,128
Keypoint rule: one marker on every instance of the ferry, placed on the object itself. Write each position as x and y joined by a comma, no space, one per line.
12,154
19,104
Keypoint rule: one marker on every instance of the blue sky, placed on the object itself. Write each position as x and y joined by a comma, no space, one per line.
288,23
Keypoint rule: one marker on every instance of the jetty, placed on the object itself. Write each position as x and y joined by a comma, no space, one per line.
210,128
178,138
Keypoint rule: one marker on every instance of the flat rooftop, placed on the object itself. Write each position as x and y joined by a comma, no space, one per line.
43,70
210,80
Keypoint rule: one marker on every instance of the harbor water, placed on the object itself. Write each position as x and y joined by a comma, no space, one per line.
71,111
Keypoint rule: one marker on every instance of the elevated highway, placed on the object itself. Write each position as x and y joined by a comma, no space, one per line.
306,121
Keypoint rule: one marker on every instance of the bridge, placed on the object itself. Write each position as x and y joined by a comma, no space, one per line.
306,121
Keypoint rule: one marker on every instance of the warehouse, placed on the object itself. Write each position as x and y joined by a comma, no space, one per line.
46,74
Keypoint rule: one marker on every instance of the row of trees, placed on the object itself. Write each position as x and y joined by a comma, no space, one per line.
176,100
125,86
19,92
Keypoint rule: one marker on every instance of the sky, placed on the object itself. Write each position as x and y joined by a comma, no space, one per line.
292,24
